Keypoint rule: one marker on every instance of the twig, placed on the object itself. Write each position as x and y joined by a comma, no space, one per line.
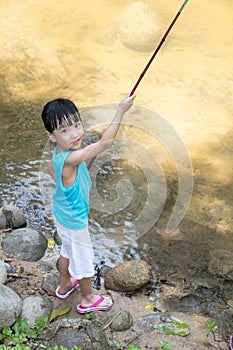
231,342
108,324
14,274
131,340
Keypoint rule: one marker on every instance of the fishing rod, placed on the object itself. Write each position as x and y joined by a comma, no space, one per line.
158,48
151,60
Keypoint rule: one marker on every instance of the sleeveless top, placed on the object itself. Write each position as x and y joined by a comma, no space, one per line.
71,205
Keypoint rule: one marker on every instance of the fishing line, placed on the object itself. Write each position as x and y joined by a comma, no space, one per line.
158,48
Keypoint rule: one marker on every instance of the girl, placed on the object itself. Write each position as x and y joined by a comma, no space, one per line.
71,197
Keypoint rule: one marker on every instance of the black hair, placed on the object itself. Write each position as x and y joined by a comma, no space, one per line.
59,113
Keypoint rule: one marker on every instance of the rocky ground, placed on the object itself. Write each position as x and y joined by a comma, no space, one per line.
27,280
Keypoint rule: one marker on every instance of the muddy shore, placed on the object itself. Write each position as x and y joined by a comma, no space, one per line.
28,282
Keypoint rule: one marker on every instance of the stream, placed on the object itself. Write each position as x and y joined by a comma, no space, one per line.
163,192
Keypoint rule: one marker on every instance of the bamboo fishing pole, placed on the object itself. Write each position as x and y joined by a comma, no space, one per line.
151,59
158,47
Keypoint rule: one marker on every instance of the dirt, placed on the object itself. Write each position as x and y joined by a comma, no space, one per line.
27,279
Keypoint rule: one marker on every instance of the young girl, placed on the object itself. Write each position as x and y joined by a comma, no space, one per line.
71,197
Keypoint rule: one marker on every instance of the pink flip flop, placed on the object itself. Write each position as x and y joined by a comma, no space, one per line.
68,292
94,307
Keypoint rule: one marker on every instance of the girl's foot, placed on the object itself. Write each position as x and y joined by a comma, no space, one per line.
64,293
101,303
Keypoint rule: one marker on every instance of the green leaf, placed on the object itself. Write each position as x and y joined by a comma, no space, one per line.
58,312
173,328
212,325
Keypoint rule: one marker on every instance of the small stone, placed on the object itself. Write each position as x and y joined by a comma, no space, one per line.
19,269
44,267
122,322
50,282
148,323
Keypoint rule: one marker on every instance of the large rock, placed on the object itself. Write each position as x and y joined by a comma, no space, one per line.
50,282
75,331
35,307
10,306
26,244
139,26
11,217
128,276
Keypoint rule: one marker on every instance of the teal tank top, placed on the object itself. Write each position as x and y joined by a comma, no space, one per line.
71,205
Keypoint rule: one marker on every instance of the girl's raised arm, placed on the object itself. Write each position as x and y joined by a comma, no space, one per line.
107,138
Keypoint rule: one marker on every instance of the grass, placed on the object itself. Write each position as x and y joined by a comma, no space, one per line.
23,337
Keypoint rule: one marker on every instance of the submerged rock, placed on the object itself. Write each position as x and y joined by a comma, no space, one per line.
139,26
26,244
128,276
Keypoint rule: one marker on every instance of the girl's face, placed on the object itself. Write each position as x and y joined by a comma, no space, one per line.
68,137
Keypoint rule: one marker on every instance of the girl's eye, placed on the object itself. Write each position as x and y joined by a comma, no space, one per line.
63,131
77,125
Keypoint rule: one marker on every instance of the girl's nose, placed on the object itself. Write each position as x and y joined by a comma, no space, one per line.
74,133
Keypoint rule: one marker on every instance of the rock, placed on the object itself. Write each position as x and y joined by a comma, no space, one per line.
11,217
128,276
148,323
26,244
10,306
35,307
104,270
75,331
50,282
122,322
139,26
220,263
44,267
3,272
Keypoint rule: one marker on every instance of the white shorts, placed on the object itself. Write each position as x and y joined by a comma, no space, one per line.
77,247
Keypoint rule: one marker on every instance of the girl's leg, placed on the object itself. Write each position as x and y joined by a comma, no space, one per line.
87,296
65,280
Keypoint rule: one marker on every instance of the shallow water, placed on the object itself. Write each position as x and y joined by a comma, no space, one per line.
52,49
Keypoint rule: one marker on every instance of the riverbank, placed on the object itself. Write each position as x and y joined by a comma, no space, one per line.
27,281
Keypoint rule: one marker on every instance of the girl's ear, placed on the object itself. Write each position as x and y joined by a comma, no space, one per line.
50,136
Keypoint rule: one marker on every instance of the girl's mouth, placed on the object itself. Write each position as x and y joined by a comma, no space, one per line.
76,142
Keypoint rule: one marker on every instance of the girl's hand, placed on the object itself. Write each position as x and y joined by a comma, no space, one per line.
126,103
